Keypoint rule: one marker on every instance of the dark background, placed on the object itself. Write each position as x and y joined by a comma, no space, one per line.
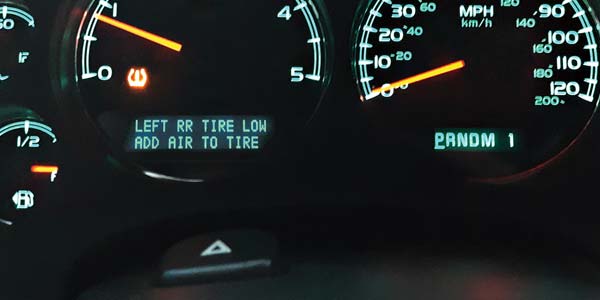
337,195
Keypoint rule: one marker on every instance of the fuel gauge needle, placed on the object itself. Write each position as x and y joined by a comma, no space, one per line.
141,33
421,77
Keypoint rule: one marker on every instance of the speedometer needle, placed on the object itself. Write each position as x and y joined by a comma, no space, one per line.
420,77
141,33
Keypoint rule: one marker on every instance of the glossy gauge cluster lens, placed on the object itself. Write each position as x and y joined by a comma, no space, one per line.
172,87
500,87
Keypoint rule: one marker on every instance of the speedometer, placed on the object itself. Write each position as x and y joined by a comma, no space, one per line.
179,88
500,87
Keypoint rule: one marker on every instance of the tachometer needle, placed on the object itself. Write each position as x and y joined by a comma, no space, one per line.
141,33
420,77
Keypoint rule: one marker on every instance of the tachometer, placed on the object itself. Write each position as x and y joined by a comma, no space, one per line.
502,87
172,87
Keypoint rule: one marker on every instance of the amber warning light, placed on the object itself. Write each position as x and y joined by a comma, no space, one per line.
137,78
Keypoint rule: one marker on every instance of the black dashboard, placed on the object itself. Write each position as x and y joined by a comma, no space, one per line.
301,149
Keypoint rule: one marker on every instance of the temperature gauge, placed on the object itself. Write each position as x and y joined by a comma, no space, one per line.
16,32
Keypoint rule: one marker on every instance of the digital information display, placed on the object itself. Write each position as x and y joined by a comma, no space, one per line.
474,140
206,133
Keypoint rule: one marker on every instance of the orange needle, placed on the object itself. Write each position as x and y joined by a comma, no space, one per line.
44,169
420,77
141,33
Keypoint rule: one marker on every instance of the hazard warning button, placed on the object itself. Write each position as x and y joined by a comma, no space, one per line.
218,257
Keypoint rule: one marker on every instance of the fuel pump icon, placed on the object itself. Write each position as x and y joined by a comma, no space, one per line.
23,199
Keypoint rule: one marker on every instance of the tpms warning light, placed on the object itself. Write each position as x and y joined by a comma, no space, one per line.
137,78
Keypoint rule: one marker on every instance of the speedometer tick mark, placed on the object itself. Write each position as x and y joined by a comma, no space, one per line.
371,96
578,14
369,29
587,98
106,4
376,14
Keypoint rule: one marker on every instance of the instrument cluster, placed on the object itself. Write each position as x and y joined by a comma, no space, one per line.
198,93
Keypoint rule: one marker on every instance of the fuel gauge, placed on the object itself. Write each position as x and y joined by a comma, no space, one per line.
28,170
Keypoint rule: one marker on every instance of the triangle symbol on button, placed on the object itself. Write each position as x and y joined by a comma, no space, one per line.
217,248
